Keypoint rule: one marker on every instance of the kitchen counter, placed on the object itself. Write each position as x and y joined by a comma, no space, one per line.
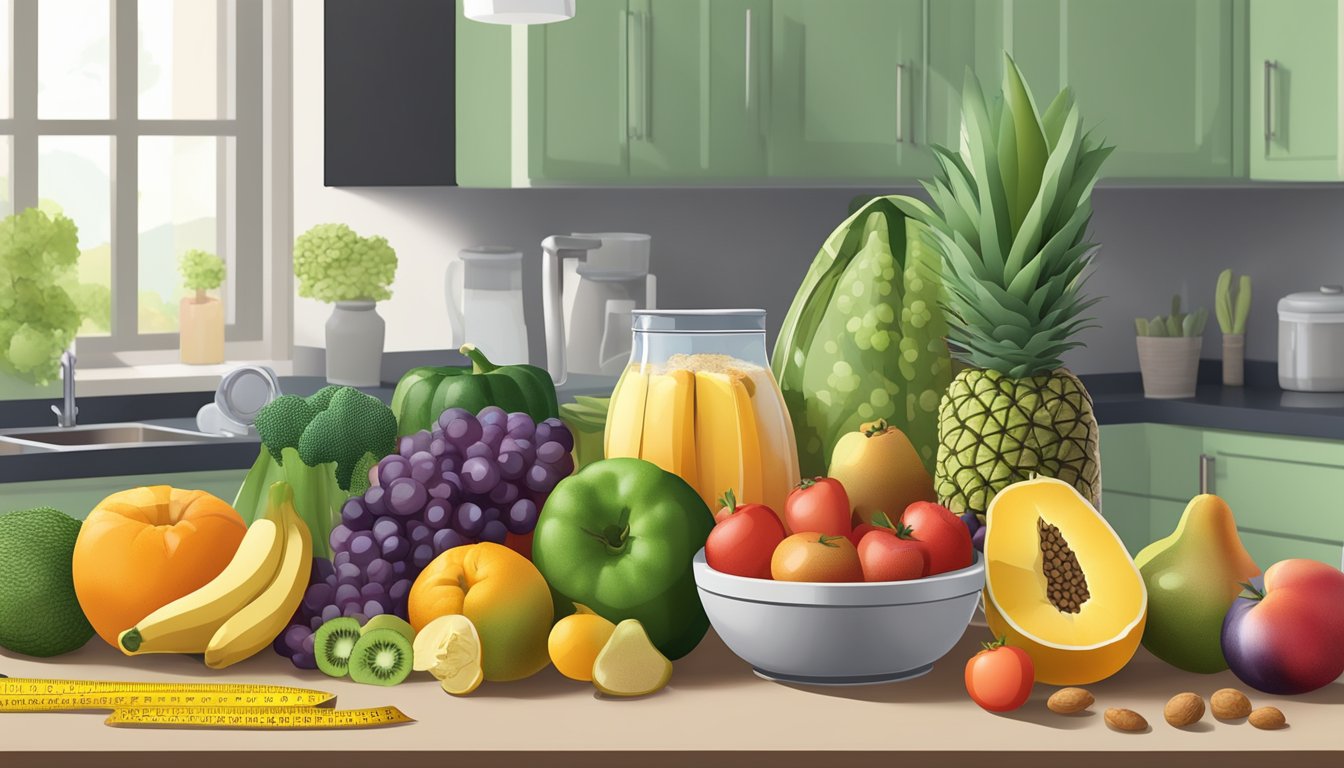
175,410
715,711
1260,406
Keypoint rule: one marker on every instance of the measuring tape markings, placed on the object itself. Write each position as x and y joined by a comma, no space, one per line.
34,695
279,718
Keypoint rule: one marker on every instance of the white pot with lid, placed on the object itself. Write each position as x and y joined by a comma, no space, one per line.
1311,340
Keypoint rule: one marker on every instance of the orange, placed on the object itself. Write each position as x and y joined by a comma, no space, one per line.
141,549
576,640
502,593
816,557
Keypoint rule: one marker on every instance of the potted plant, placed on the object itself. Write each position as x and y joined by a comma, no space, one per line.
201,317
333,264
1232,308
1169,351
38,316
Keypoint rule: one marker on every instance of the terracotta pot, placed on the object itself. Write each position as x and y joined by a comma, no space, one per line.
1234,359
1170,365
201,330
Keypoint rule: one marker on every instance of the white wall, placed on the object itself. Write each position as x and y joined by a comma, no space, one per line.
736,247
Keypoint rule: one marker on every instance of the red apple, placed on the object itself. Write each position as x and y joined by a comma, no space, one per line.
745,541
892,555
1286,635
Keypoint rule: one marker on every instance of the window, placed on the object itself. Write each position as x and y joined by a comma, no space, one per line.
141,120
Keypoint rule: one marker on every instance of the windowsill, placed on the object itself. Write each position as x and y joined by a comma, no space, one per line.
159,378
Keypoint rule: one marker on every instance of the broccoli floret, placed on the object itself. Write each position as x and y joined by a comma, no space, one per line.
321,399
282,421
352,425
359,478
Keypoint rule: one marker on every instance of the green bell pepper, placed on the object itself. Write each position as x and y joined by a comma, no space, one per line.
619,537
425,392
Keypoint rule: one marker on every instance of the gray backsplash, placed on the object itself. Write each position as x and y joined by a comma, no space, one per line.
751,247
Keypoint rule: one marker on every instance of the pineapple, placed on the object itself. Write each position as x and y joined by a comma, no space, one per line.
1011,214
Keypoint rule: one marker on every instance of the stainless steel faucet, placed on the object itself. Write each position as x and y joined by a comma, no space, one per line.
65,416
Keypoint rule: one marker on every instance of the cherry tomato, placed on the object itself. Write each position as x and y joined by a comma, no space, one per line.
946,538
1000,677
814,556
745,541
819,504
892,555
860,530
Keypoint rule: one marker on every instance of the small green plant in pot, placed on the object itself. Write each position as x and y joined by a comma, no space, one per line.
1232,308
201,316
334,264
38,315
1169,351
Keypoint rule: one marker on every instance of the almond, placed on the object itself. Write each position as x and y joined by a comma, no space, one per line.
1229,704
1126,720
1069,701
1268,719
1184,709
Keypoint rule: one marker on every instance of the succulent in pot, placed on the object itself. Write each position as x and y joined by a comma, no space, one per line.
1169,351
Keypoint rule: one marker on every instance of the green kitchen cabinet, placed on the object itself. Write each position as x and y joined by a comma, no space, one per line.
1286,493
77,497
579,95
698,79
849,87
1159,80
1294,90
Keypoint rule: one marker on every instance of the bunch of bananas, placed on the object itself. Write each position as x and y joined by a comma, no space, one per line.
245,607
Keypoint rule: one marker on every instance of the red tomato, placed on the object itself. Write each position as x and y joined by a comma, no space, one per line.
820,505
888,555
745,541
946,538
727,506
861,530
1000,677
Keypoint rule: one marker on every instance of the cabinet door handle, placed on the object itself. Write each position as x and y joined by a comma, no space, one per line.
900,104
746,76
1205,473
1271,70
627,129
646,76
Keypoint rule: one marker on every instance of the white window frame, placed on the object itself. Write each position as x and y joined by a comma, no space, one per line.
253,198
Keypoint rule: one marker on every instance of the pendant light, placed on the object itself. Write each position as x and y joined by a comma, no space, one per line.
519,11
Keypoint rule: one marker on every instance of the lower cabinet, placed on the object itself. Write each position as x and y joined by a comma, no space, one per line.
78,497
1286,493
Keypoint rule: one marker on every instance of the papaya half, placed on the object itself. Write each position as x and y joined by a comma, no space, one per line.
1060,584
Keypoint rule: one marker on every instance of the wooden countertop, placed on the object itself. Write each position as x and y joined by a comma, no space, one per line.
715,711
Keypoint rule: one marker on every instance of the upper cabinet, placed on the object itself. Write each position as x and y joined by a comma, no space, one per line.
1157,78
1295,90
835,91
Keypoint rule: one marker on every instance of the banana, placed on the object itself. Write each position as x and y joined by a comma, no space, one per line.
186,624
258,623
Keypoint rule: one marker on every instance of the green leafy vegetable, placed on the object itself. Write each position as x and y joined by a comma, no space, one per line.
317,496
333,263
38,315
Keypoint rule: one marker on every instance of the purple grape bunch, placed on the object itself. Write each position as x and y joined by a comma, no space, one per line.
472,478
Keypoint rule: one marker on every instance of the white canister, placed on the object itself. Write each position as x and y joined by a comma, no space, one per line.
1311,340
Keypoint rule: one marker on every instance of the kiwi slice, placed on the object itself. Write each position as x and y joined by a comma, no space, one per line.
381,657
334,642
389,621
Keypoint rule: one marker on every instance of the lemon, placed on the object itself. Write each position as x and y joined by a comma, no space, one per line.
576,640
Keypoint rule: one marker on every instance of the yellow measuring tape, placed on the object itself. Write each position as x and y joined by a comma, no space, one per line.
192,705
32,695
278,718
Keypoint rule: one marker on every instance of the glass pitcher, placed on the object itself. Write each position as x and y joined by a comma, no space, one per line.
698,399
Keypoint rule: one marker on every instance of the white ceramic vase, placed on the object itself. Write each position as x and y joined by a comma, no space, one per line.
355,334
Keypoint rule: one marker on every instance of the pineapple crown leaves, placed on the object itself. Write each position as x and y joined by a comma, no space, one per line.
1012,210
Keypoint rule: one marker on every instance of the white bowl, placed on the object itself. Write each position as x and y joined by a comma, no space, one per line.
840,634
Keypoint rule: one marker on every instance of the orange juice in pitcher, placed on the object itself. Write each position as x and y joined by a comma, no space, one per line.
698,399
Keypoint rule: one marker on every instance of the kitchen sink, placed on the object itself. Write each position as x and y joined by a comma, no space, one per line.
96,436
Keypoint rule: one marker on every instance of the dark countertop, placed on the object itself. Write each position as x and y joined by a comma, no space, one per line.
174,410
1118,399
1260,406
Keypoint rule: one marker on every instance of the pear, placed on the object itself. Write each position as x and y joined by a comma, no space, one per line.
1193,576
629,664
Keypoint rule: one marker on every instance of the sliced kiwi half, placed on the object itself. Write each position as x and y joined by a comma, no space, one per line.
334,642
381,657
